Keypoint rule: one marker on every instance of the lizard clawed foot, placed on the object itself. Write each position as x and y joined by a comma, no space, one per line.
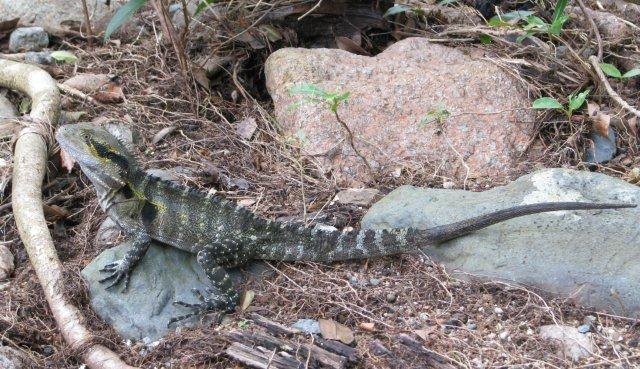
119,270
205,305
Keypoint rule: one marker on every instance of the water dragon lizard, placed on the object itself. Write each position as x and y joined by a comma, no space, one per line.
223,234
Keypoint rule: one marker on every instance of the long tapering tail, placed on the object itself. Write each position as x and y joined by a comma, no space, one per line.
298,243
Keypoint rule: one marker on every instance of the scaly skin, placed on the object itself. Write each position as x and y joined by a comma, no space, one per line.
223,234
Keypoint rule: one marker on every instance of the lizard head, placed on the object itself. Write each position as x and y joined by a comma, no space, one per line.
104,159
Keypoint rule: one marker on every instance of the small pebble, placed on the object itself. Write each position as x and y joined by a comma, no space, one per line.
584,328
472,326
504,336
374,281
392,297
353,280
498,311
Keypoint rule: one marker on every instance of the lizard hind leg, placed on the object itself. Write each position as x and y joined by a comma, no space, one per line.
223,296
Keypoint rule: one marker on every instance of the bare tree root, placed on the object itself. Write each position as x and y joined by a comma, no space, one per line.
30,157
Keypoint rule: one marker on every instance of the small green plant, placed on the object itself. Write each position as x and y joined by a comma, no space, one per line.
435,115
534,24
123,14
611,71
244,324
402,8
315,94
574,103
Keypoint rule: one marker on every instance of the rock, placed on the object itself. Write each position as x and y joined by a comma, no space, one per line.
28,39
357,196
584,255
164,275
603,149
6,263
612,28
11,358
405,109
573,344
307,325
50,13
584,328
39,57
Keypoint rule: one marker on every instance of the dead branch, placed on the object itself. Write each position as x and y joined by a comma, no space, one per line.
30,157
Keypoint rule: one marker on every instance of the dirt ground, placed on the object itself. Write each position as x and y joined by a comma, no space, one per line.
467,324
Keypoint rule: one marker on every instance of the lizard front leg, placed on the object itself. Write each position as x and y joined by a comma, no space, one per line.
223,296
121,269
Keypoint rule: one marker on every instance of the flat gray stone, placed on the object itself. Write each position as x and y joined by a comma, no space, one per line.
572,343
28,39
590,255
164,275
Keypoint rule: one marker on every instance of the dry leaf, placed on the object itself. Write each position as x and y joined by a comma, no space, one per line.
66,160
246,128
87,83
592,109
347,44
633,125
246,202
333,330
367,326
200,75
247,299
601,124
162,134
424,333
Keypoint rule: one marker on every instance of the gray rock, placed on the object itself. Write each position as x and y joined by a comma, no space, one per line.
28,39
573,344
164,275
603,149
307,325
357,196
583,254
6,263
39,57
52,13
584,328
13,359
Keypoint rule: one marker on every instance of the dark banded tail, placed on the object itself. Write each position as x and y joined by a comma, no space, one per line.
306,244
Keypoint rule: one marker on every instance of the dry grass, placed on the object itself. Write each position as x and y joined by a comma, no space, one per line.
283,183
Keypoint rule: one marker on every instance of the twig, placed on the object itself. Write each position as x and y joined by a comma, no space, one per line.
77,94
310,10
352,143
614,95
87,21
594,27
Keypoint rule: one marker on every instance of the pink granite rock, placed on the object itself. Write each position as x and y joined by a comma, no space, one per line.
391,97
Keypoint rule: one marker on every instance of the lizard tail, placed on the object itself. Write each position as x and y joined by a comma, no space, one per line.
316,244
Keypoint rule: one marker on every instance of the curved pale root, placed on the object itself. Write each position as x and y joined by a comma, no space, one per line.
30,159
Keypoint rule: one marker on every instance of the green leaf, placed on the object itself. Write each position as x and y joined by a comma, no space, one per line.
558,13
122,15
203,5
308,89
64,56
397,9
485,39
575,102
547,103
556,25
631,73
610,70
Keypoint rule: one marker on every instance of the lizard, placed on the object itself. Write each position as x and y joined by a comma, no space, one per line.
224,234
